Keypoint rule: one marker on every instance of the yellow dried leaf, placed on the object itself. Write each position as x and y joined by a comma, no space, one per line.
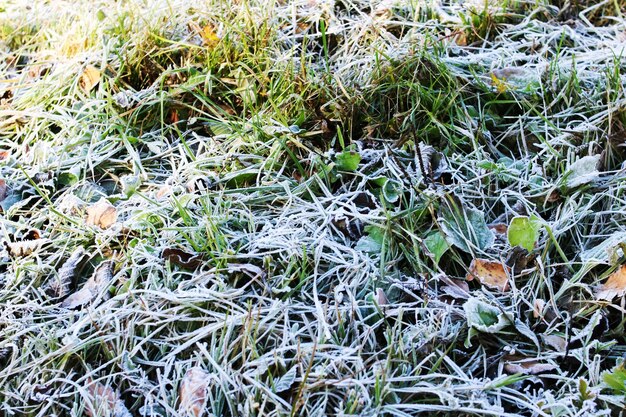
102,214
193,392
89,78
209,36
499,84
489,273
615,286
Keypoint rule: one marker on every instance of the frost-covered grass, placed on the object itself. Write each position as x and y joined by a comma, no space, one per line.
299,189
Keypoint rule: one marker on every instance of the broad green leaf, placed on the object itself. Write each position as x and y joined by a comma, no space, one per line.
372,242
392,190
465,228
484,317
524,231
437,245
348,160
616,379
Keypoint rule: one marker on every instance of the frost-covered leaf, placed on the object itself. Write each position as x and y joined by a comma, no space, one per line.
25,247
583,171
392,190
286,381
193,392
528,367
92,288
59,285
465,227
102,214
615,286
485,317
106,401
606,252
372,242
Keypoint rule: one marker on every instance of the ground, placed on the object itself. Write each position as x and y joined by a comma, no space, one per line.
312,207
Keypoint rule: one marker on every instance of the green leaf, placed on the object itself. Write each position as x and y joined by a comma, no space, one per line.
373,241
484,317
616,379
465,227
348,160
524,231
437,245
392,190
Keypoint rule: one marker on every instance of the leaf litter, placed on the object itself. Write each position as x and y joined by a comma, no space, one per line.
319,191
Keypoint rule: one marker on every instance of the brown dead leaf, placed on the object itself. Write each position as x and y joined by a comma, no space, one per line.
557,343
102,214
59,286
455,288
4,155
381,297
615,286
499,228
538,307
106,401
489,273
3,189
528,367
92,288
164,191
193,392
181,258
24,247
89,78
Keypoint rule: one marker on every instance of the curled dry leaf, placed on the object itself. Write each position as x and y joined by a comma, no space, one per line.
59,286
181,258
498,228
193,392
24,247
90,290
89,78
381,297
102,214
163,192
454,288
106,401
557,343
489,273
539,306
615,286
527,367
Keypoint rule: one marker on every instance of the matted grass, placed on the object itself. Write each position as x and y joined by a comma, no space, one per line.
286,178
